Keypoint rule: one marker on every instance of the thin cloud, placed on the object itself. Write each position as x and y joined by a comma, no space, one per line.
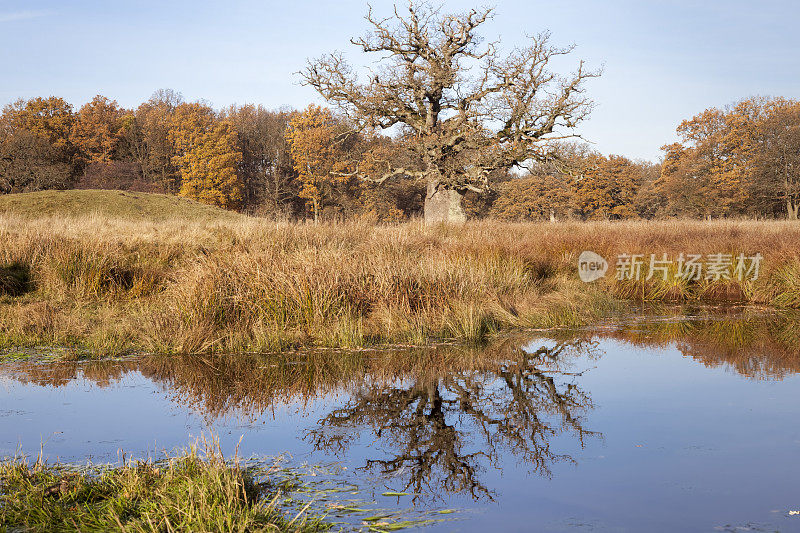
23,15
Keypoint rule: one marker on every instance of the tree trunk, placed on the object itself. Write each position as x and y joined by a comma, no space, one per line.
792,209
443,206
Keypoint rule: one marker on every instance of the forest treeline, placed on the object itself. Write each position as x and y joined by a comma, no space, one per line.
742,160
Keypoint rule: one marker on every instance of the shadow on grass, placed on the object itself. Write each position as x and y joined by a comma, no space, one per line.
15,279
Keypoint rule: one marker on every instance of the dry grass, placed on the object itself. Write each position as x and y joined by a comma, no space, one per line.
111,284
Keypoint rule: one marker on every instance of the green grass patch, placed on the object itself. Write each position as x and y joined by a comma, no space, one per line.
194,490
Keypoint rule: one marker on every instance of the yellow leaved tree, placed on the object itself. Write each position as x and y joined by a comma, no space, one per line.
208,169
98,129
207,157
318,144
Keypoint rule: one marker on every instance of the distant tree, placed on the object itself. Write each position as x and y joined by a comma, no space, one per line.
209,168
147,141
470,111
268,178
685,182
319,147
51,119
647,201
539,195
607,188
734,177
36,151
580,183
30,163
97,132
778,160
741,160
189,124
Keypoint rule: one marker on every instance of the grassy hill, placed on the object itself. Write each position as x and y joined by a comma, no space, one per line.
120,204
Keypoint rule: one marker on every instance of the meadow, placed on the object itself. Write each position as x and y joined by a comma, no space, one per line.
142,273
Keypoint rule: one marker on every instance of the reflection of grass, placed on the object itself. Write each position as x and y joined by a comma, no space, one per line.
195,490
252,383
114,284
754,342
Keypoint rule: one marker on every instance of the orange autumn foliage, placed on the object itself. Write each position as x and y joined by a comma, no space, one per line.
98,129
317,144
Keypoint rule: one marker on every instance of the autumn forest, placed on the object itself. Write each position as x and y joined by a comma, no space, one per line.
739,160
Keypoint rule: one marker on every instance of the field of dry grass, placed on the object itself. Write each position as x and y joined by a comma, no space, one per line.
112,285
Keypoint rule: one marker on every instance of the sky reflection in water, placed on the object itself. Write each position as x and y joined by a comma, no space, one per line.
652,424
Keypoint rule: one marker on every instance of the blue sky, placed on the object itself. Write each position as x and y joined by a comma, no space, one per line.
664,60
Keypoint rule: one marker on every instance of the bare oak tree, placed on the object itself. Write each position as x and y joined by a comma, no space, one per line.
441,431
470,111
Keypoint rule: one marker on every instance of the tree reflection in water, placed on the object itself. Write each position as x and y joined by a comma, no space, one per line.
439,430
443,414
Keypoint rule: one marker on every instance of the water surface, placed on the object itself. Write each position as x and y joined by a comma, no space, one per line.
656,423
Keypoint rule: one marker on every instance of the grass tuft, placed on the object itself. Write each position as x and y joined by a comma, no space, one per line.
194,490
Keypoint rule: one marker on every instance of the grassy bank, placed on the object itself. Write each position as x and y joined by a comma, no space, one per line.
117,204
195,490
112,284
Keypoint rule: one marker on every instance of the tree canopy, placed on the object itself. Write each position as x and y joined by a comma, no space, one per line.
469,110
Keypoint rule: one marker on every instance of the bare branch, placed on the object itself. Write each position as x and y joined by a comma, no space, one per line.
472,111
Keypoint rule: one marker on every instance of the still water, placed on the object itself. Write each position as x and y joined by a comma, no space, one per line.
684,422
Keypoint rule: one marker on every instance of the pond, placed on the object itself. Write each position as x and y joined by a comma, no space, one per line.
680,421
